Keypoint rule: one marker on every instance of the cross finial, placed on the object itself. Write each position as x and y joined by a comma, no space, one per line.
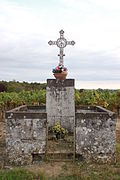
61,43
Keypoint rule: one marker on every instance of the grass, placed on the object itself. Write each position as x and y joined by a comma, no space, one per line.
75,171
20,174
16,174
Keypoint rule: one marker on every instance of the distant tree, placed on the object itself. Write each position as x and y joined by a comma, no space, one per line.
81,90
16,86
3,87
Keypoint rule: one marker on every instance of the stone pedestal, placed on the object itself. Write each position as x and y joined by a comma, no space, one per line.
60,104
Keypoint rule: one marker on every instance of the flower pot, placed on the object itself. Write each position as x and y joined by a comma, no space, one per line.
61,76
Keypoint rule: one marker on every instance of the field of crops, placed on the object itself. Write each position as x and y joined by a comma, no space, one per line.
13,99
105,98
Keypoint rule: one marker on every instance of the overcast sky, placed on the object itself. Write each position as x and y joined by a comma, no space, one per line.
26,26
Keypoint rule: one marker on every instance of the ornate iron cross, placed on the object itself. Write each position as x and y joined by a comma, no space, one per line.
61,43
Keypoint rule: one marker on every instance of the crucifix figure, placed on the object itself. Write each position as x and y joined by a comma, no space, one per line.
61,43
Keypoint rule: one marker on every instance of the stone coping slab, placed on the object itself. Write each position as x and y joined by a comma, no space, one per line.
60,83
25,111
93,110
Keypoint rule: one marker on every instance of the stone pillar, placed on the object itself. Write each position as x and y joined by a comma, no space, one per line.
60,103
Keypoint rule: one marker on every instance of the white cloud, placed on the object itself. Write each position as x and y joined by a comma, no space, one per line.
25,31
86,5
96,85
108,4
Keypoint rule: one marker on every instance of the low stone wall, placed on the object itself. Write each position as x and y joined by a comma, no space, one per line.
25,135
96,135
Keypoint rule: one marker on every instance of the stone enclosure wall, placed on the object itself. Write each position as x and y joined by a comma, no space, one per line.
95,134
25,134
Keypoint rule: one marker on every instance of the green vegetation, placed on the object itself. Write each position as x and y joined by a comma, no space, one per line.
13,99
15,86
35,94
19,174
109,99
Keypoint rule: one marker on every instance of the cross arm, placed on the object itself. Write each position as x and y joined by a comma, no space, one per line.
70,42
52,42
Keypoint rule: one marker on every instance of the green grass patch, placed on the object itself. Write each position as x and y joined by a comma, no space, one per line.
16,174
20,174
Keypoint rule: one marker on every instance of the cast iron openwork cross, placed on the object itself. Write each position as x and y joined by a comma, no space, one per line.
61,43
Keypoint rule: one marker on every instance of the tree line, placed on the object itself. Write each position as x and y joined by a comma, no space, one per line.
16,86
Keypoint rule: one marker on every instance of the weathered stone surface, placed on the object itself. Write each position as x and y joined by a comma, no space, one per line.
60,83
26,136
95,135
60,103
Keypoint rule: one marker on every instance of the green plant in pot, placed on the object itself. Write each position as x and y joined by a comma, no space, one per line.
59,131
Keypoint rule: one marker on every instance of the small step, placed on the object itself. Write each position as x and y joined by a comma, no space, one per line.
57,155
